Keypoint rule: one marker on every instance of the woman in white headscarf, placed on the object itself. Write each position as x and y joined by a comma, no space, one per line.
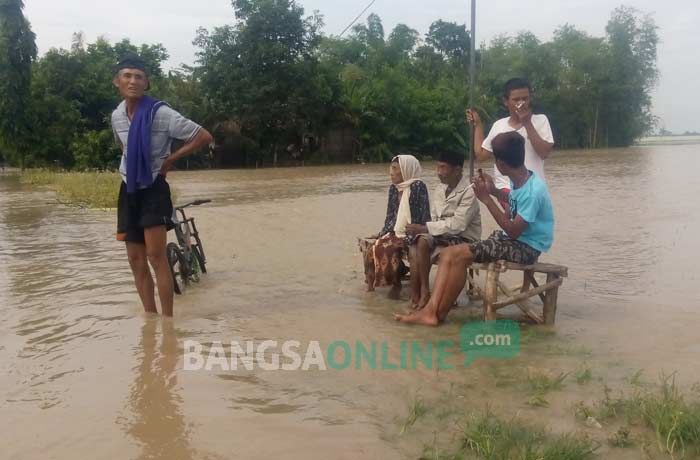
408,204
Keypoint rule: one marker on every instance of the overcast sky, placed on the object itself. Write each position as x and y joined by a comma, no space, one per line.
174,22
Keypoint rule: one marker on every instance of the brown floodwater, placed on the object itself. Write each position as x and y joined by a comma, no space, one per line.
85,374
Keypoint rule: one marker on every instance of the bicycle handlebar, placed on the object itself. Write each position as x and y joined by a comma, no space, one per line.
194,203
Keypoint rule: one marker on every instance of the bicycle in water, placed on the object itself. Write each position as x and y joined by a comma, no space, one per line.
186,256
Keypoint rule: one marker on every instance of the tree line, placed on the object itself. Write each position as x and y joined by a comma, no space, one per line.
271,85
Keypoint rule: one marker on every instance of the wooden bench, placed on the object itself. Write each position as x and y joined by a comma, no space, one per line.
520,295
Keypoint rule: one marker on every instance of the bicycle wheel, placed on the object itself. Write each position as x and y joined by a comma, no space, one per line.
200,250
178,267
196,251
195,271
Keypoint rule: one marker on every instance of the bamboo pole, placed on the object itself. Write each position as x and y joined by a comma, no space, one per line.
472,81
555,283
550,303
523,304
558,270
530,275
491,293
479,292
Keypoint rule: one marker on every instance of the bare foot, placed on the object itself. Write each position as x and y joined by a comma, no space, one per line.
423,301
423,317
395,293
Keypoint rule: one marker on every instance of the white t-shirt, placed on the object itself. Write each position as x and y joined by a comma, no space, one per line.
533,161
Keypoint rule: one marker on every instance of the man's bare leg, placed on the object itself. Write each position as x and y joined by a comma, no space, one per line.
136,252
156,241
415,275
449,282
395,291
423,259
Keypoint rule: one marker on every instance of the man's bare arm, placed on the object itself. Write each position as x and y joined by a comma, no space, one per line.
202,139
480,153
514,228
484,188
542,147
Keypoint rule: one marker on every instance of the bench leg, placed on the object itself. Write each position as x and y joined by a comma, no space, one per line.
491,292
526,280
470,286
550,301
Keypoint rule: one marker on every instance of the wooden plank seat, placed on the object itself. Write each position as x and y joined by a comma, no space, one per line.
521,295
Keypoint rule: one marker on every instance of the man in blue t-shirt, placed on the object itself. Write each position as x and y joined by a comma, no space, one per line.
526,232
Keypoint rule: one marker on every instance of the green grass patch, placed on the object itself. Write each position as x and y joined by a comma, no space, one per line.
611,407
416,410
489,437
84,189
636,379
621,438
665,410
675,421
541,383
538,400
583,375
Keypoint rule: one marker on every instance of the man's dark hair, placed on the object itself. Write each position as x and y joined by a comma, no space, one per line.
509,148
131,61
515,83
452,158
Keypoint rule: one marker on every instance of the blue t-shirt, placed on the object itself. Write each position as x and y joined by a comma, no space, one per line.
533,203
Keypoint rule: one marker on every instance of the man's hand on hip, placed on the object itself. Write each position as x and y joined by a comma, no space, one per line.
167,165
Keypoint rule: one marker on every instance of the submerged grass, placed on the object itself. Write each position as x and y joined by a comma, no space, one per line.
656,419
489,437
621,438
673,419
84,189
416,410
541,383
584,375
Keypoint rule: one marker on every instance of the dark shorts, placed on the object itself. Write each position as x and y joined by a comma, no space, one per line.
145,208
443,241
500,246
437,244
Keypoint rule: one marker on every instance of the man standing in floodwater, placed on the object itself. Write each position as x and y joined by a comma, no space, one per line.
534,128
145,128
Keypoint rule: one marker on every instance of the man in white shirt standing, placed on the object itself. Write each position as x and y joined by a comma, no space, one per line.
455,219
539,142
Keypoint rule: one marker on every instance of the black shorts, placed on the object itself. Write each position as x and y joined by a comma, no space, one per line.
145,208
500,246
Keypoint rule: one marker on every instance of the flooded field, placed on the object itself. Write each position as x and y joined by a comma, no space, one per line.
85,374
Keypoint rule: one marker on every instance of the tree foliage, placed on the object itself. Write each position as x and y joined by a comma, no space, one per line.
17,51
271,79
